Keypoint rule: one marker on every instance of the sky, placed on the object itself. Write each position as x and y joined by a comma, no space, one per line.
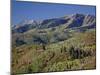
38,11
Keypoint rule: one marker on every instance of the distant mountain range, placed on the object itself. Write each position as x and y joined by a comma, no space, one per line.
51,30
70,21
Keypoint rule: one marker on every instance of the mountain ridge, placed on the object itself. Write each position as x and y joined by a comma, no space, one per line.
71,21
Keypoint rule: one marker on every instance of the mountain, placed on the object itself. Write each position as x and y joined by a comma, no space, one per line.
51,30
71,21
25,26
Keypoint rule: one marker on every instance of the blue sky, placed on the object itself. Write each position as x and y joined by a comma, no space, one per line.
40,11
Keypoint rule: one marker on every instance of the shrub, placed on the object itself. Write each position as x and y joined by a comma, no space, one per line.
79,53
63,49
